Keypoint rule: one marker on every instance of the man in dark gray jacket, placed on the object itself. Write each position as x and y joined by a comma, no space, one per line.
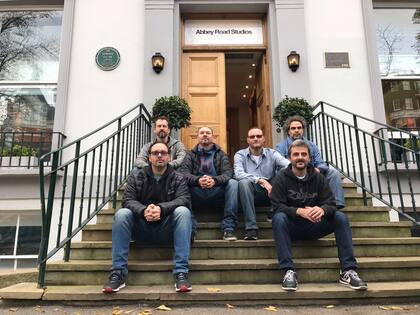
162,132
209,175
155,210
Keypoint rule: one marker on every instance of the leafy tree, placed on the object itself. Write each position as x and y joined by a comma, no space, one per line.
175,108
290,106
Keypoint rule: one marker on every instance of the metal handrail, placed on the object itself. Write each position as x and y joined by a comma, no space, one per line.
86,179
370,159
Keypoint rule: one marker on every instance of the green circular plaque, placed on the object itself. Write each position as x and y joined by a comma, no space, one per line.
107,58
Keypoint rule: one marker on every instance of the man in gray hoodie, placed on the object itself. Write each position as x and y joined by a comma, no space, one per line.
162,132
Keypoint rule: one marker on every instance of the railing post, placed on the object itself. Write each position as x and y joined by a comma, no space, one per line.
72,201
324,129
359,157
117,162
46,216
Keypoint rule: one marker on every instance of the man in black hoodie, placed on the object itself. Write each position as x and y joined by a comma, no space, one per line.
304,209
155,210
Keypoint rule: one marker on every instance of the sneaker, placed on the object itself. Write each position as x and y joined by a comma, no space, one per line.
229,236
251,235
289,281
181,282
116,281
351,279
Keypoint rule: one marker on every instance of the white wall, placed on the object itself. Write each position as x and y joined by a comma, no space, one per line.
95,96
337,26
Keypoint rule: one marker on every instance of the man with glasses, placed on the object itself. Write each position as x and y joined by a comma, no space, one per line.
209,174
162,132
254,168
294,127
155,210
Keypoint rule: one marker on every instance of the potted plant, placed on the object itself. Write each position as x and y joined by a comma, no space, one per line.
175,108
19,155
290,106
411,144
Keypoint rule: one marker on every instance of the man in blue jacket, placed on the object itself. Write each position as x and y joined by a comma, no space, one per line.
295,128
304,209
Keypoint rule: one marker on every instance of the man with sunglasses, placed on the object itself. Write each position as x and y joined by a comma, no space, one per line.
254,168
156,210
162,132
209,174
294,127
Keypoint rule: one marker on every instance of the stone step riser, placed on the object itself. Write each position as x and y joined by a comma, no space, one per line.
235,276
264,233
267,252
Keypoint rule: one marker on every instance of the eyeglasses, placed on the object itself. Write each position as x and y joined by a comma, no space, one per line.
157,153
296,128
255,136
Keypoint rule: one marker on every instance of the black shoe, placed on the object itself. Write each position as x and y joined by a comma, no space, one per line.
116,281
229,236
251,235
289,281
351,279
181,282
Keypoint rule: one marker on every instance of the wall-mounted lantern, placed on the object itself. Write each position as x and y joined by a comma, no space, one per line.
158,62
293,60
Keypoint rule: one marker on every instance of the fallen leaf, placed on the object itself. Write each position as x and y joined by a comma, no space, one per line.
213,290
129,312
330,306
76,314
117,312
145,312
230,306
397,308
384,308
271,308
13,309
163,308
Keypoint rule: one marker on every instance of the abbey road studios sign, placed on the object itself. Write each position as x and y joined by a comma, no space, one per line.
107,58
223,32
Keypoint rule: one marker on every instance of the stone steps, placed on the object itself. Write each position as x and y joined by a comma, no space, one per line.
211,230
219,249
218,271
243,294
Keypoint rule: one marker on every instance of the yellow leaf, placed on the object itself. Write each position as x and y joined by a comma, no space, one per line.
271,308
13,309
146,312
230,306
117,312
163,308
213,290
397,308
330,306
384,308
129,312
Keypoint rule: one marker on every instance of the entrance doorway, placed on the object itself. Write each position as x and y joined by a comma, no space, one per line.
229,92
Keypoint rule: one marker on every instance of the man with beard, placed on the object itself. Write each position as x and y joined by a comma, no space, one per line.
294,127
161,132
209,174
155,211
304,209
255,167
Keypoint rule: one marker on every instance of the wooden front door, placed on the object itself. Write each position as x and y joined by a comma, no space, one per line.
263,111
203,87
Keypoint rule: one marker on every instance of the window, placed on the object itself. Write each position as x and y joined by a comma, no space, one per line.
398,42
30,42
20,237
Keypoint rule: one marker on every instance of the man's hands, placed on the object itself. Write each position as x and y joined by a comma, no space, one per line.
265,183
206,182
313,214
152,213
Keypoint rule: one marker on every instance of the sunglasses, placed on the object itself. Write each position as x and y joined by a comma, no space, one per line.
255,136
157,153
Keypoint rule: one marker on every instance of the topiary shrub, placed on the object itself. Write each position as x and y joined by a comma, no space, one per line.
175,108
290,106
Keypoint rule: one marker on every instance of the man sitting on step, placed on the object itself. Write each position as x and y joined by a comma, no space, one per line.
162,132
304,209
155,210
254,168
209,174
294,127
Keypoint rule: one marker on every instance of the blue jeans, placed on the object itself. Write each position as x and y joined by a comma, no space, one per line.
334,180
175,228
217,196
251,195
286,230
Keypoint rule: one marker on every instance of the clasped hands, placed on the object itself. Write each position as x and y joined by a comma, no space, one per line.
206,181
152,213
313,214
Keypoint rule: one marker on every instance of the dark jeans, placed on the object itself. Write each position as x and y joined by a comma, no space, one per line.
286,230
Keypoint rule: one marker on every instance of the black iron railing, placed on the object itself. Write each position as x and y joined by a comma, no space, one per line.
23,149
92,170
381,167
